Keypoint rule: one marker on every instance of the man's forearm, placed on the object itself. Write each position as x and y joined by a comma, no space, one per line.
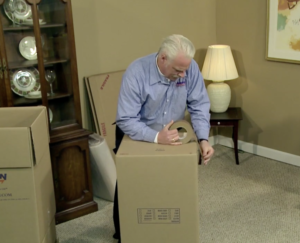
137,130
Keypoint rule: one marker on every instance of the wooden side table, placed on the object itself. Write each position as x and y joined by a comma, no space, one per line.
229,118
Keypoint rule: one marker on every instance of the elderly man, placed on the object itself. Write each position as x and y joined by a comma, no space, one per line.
156,90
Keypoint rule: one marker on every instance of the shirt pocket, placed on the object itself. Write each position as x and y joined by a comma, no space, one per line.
179,102
153,104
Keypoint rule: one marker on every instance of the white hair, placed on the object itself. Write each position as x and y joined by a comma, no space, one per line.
174,44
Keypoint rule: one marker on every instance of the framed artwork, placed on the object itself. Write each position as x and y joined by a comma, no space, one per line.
283,31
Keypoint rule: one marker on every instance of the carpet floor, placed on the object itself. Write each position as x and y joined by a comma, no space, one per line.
257,201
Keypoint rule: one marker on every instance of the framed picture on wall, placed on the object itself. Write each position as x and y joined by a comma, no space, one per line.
283,31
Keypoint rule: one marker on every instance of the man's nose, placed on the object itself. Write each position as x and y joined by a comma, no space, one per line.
181,74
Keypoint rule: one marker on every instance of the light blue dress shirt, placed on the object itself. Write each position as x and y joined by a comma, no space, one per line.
148,101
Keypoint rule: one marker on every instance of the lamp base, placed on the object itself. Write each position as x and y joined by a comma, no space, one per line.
219,95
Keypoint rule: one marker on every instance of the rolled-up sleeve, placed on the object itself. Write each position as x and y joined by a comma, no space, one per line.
129,107
198,103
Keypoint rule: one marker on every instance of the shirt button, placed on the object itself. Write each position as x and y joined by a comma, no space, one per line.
165,112
167,100
164,125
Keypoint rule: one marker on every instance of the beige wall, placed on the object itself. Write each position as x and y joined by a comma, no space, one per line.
267,91
111,34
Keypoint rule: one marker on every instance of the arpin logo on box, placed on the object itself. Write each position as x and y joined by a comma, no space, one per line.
3,178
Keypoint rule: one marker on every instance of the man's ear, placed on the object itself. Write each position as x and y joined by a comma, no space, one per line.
164,57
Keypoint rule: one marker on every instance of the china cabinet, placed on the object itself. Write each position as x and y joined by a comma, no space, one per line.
38,67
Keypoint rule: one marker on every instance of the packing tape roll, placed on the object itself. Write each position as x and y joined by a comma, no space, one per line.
188,135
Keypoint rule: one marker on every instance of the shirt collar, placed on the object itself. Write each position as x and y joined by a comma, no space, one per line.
155,74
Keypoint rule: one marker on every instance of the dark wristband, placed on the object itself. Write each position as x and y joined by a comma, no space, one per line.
201,139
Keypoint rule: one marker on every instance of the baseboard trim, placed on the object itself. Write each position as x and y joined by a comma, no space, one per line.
213,140
257,150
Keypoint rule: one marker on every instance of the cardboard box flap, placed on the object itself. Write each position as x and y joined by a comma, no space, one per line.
40,135
19,116
23,135
15,147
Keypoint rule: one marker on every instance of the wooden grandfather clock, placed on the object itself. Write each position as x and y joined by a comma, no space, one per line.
38,67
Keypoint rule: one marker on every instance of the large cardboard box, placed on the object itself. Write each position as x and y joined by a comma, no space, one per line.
158,192
103,90
27,202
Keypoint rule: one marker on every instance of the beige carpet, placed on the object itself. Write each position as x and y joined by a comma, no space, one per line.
257,201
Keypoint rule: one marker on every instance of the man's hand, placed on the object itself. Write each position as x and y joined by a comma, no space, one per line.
207,151
166,136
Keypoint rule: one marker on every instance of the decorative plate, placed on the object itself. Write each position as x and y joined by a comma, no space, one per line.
17,10
34,97
24,81
30,22
27,48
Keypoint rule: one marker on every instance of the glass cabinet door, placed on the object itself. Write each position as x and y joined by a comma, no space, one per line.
58,62
41,62
18,53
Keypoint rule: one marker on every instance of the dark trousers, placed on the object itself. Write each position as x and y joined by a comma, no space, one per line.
119,137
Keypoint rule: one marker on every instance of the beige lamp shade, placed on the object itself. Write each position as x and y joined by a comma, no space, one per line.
219,64
218,67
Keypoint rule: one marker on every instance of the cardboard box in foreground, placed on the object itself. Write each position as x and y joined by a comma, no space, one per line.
27,202
158,192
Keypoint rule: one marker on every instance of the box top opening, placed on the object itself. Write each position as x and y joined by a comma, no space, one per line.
24,136
130,147
19,116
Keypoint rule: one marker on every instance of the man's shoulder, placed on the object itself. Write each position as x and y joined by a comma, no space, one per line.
141,65
145,60
193,68
194,64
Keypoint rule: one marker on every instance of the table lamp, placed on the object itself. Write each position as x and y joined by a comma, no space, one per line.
218,67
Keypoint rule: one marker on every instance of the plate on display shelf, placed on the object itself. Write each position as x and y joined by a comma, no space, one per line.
24,81
27,48
30,22
34,95
17,10
50,115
